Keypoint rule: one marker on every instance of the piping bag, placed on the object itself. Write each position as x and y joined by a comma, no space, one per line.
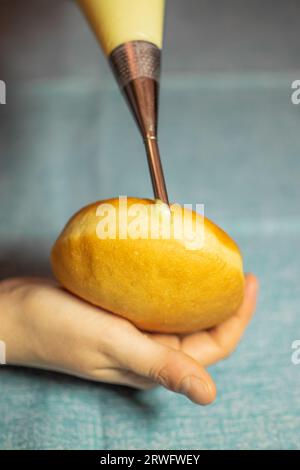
131,33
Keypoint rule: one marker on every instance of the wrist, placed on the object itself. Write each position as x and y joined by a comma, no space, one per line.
12,333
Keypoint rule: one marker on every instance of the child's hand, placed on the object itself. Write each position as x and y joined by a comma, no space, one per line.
46,327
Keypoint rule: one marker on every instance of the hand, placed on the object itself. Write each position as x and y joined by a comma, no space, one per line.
44,326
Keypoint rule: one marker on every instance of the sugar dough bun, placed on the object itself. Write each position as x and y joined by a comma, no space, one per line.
159,284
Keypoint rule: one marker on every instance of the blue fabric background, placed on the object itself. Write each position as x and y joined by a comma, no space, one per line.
230,142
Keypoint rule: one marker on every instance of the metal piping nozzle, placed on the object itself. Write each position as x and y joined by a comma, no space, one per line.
136,66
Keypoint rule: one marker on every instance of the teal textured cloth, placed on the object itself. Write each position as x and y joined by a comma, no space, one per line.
229,142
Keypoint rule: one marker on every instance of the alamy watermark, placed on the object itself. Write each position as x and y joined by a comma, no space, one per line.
295,357
2,353
295,96
2,92
123,219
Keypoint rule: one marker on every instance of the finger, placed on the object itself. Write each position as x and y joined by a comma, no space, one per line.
217,343
173,369
171,340
228,334
123,377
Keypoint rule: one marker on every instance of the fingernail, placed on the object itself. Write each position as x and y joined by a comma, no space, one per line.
197,390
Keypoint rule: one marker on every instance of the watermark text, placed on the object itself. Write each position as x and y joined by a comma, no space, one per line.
126,219
2,92
295,358
295,96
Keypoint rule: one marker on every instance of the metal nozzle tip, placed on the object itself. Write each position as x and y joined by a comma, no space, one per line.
156,171
136,65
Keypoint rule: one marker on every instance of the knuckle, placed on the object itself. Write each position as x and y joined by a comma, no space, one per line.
84,366
225,347
227,350
96,374
162,373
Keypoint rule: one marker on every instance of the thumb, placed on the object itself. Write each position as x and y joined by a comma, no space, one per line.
173,369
